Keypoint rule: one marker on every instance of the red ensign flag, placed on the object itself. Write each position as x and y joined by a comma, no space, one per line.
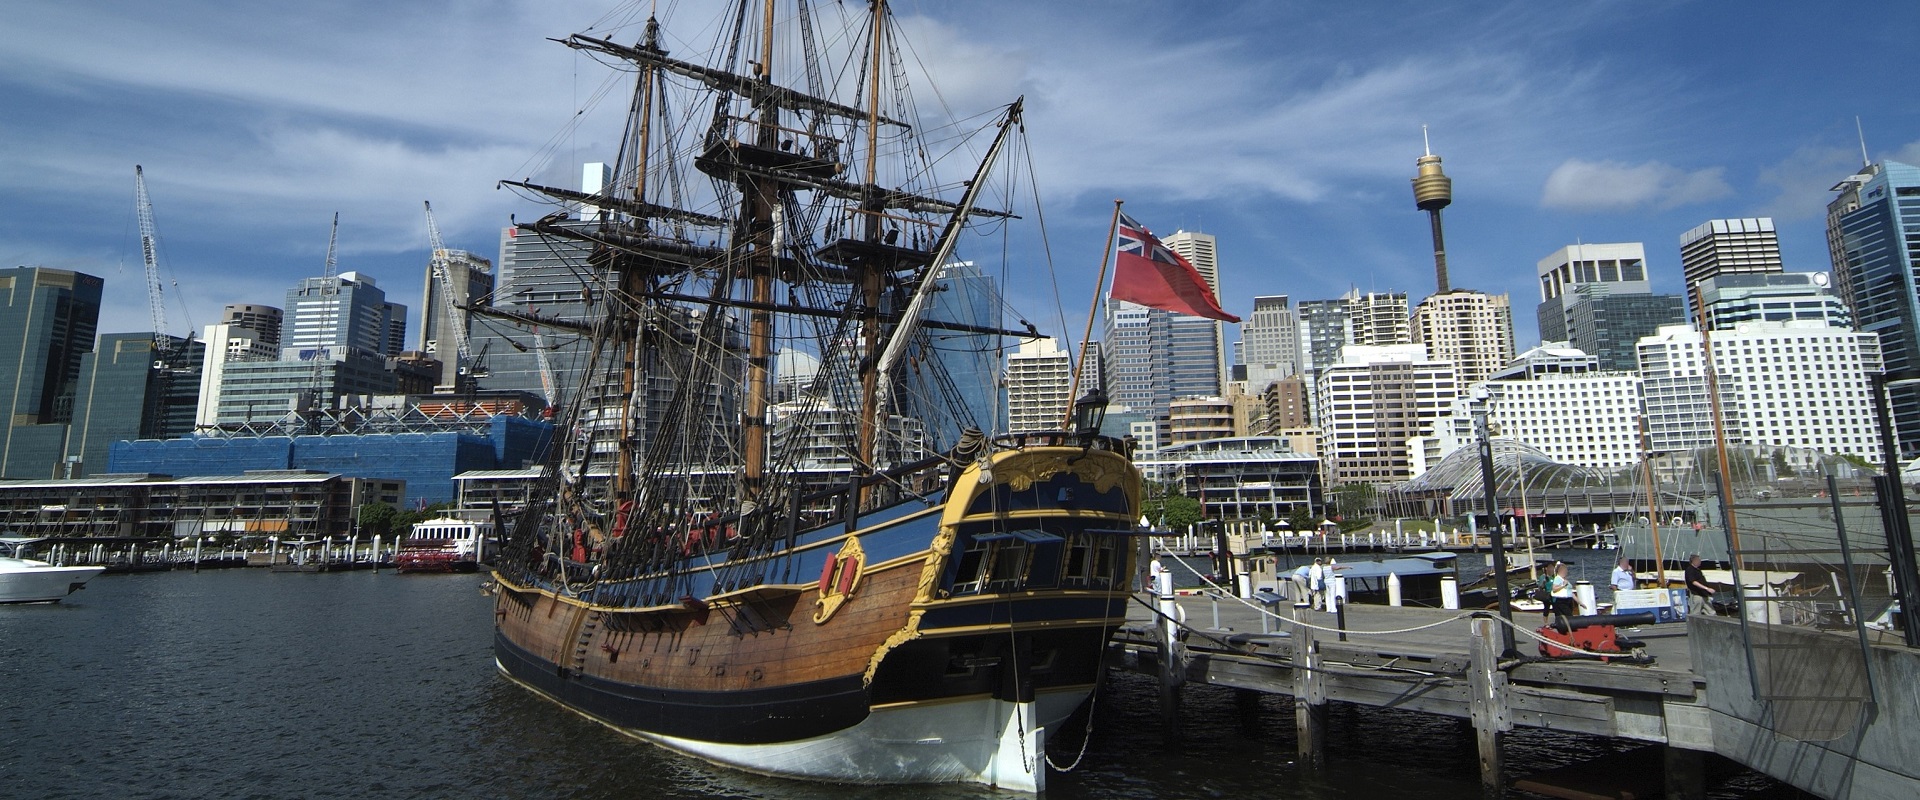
1148,273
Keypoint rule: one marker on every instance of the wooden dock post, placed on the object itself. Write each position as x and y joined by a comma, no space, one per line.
1170,659
1309,695
1488,701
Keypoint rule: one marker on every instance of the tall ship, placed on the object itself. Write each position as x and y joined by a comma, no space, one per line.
837,573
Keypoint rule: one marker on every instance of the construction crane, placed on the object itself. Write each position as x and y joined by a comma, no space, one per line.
149,252
440,263
329,298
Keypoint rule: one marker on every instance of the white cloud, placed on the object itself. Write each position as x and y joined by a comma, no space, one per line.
1802,181
1908,153
1579,185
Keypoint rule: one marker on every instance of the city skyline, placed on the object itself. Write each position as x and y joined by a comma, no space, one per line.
255,124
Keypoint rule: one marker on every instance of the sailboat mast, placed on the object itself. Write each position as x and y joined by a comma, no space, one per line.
761,197
630,346
870,279
1086,341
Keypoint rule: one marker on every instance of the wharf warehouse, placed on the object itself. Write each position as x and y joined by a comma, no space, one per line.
425,460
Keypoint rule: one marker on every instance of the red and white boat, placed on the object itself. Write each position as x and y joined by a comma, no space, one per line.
445,544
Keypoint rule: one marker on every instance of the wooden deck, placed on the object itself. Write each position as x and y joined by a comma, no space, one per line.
1455,668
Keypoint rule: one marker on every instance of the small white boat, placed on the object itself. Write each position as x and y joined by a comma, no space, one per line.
24,580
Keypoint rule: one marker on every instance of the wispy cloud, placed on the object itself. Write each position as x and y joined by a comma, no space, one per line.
1579,185
1800,182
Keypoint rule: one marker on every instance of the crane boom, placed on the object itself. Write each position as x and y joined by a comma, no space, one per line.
440,262
329,291
149,252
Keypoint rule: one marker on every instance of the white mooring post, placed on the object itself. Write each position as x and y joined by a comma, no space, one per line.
1449,593
1393,589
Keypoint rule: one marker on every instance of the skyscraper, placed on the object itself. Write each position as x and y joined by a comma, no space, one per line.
1474,330
972,360
1597,298
1189,334
347,311
122,395
472,279
1037,377
1271,336
1372,402
1728,247
1873,235
1772,297
1152,357
47,322
1379,319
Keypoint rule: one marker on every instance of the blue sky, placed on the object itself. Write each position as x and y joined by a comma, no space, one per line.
1287,129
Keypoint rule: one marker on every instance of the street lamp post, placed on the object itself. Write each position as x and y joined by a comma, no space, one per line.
1480,400
1893,498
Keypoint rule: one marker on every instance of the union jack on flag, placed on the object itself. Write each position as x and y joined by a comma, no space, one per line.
1150,274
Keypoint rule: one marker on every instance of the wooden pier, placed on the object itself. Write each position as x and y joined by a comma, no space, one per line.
1449,663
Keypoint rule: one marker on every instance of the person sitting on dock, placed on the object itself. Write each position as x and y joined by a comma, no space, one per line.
1699,593
1623,578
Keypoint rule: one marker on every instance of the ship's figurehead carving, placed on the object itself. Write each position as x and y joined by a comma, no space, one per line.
839,579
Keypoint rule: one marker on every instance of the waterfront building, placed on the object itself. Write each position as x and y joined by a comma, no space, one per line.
1326,326
1772,297
1722,247
1271,342
1242,478
1474,330
1782,384
1873,237
1555,399
1373,402
264,391
471,276
419,443
252,503
48,318
1038,374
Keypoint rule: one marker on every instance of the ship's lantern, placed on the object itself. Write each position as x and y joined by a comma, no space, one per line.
1089,412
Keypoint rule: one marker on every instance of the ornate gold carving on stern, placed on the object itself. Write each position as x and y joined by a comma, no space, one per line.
839,579
899,637
1103,471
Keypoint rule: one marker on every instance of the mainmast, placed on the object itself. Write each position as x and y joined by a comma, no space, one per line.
871,277
760,197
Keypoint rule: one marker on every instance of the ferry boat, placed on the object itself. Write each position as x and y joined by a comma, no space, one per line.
445,544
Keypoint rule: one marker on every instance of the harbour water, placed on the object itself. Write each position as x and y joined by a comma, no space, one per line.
248,684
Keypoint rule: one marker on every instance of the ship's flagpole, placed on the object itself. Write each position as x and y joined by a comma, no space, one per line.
1086,339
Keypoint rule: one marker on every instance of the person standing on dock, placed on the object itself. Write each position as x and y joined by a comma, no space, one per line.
1300,583
1316,582
1623,578
1699,593
1560,591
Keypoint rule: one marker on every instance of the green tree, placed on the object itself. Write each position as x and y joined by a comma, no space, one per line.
1302,519
1780,466
1353,500
377,518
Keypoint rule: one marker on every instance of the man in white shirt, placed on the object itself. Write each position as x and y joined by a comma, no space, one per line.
1623,578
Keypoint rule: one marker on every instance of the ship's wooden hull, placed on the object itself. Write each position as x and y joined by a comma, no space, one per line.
878,646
